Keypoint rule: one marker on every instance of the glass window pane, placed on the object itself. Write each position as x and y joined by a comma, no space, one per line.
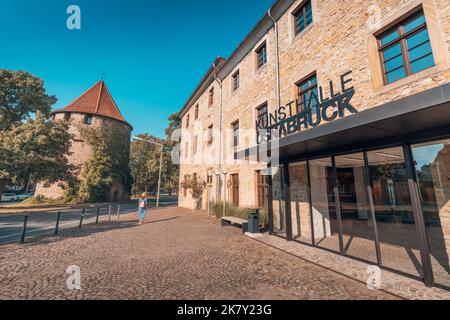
389,37
415,23
300,209
423,63
393,211
278,201
357,223
394,63
432,162
325,223
418,38
396,75
420,51
392,52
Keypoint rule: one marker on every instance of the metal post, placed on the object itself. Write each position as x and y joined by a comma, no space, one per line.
109,213
118,212
98,215
58,218
24,229
159,179
81,219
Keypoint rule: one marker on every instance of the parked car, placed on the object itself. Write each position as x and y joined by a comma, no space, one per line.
8,197
21,197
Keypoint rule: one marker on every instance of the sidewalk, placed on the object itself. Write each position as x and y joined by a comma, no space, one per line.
394,283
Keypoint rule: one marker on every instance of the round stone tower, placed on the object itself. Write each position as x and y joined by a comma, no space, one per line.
96,108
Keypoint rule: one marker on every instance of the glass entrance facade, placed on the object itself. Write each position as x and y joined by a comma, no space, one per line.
361,205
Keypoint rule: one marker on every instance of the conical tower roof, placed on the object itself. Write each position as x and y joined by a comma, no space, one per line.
96,101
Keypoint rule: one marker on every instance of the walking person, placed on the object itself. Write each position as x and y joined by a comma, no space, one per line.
143,206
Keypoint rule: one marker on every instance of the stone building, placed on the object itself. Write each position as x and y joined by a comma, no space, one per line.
96,108
334,116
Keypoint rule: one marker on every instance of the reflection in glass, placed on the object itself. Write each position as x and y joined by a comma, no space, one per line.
393,211
432,163
300,209
357,223
278,202
325,223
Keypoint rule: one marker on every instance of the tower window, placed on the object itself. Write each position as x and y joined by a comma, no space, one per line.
88,119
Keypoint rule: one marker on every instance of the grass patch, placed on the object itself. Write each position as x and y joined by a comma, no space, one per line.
232,211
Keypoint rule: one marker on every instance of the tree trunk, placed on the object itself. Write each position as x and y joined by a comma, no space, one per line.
2,188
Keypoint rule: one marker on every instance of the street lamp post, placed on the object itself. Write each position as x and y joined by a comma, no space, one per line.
160,165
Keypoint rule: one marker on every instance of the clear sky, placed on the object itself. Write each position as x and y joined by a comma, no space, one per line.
153,52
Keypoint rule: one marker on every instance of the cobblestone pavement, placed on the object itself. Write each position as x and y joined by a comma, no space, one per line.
177,255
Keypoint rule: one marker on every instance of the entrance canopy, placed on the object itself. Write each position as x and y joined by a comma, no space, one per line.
424,111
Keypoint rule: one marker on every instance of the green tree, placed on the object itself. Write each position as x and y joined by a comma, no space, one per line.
29,142
108,165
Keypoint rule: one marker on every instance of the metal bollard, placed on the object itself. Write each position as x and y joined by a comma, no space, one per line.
81,219
109,214
57,222
118,212
24,230
98,215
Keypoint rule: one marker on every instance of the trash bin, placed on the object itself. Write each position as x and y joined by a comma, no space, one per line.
253,221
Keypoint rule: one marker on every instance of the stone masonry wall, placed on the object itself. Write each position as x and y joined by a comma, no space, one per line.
339,40
80,152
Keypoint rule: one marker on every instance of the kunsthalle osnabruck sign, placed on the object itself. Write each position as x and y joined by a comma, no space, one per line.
285,121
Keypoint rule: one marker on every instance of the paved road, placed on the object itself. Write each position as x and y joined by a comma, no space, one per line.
179,254
42,223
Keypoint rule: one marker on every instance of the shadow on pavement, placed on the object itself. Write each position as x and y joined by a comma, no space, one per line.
86,231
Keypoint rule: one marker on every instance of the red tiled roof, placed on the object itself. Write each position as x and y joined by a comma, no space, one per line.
97,101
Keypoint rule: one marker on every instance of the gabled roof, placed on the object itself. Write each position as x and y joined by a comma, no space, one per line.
97,101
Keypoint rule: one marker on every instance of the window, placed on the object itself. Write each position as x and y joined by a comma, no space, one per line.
196,112
235,134
211,97
195,146
209,180
88,119
263,115
303,17
186,150
187,121
210,134
263,189
307,93
236,80
67,117
235,190
261,56
405,49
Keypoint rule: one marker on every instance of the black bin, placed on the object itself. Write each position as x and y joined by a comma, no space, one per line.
253,221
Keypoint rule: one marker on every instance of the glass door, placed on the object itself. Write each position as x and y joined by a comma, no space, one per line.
432,163
300,202
399,244
278,202
324,210
357,223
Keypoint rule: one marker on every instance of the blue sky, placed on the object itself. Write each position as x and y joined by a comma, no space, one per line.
153,52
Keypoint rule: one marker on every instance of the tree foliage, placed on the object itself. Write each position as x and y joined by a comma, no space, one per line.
196,187
109,164
145,158
29,142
